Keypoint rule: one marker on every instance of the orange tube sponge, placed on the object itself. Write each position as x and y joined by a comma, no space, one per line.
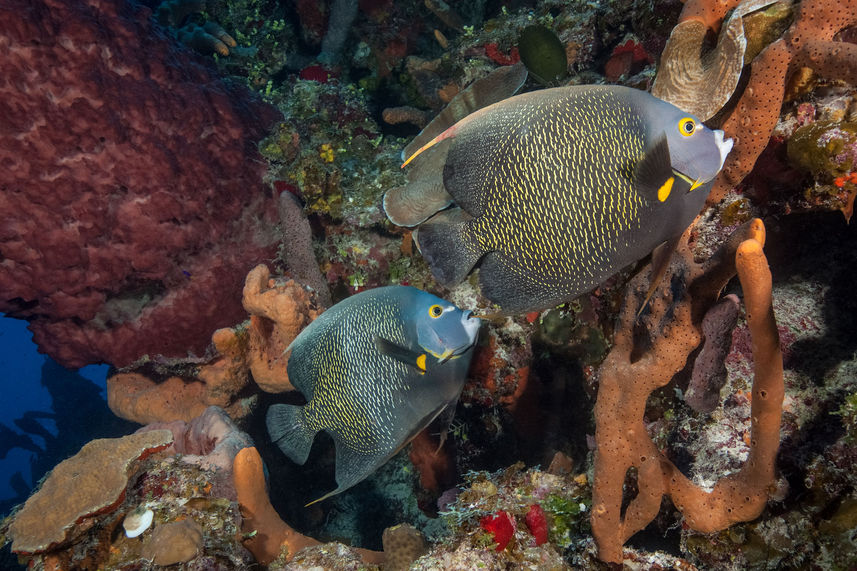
182,390
279,310
647,353
138,397
267,535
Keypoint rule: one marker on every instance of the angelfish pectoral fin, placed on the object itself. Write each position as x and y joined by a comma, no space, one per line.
665,189
653,173
401,354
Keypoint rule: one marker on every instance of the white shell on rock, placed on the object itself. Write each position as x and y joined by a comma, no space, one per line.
138,521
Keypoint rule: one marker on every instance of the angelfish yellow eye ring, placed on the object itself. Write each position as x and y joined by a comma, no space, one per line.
687,126
435,311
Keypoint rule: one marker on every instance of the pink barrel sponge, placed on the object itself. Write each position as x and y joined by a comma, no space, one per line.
131,195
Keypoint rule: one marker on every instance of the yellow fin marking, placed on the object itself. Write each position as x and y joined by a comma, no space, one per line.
421,363
418,151
664,190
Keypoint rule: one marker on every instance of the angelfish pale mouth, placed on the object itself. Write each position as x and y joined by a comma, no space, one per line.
723,146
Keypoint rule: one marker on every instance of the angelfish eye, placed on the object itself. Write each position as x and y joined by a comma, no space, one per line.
686,126
435,311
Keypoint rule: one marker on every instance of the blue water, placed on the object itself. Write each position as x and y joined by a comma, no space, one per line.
24,389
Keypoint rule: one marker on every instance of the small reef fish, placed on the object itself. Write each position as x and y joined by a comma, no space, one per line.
376,368
556,190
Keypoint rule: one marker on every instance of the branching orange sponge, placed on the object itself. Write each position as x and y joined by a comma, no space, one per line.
646,355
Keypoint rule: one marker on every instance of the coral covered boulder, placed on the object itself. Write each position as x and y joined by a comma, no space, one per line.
131,202
91,482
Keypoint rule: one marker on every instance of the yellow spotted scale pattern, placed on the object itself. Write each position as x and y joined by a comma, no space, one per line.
558,189
561,225
357,391
363,367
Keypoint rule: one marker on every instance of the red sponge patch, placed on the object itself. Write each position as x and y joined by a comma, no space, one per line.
501,525
537,523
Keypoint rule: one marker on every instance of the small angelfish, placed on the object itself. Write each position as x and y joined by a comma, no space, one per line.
375,369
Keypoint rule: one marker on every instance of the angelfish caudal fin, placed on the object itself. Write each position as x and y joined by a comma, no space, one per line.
446,245
288,430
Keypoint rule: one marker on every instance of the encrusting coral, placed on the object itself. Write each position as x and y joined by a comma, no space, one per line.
95,510
646,354
403,544
174,542
78,489
808,42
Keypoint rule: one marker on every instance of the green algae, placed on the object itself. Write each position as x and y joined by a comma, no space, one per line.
543,54
824,147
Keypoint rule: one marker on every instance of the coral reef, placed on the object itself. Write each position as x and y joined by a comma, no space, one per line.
89,483
210,441
488,521
131,195
183,485
535,377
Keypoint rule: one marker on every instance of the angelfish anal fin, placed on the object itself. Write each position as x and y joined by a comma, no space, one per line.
403,354
654,169
661,256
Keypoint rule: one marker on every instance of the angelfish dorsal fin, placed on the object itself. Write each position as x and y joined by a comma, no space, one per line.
402,354
653,173
501,83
